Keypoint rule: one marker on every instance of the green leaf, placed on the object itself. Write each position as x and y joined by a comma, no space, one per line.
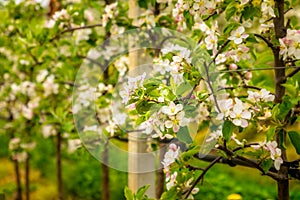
183,88
142,106
266,165
284,108
230,10
184,136
141,191
230,27
271,133
291,89
143,4
170,194
295,139
250,12
227,130
189,19
281,135
128,193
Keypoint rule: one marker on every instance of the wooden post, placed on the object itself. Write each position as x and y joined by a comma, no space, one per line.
140,162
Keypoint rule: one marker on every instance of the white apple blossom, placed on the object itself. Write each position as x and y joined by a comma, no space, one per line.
42,75
129,88
73,144
177,121
275,152
82,34
215,135
171,180
93,128
14,143
211,42
225,105
290,45
171,155
61,15
172,109
48,130
263,95
49,86
240,114
111,128
267,9
27,112
20,156
238,35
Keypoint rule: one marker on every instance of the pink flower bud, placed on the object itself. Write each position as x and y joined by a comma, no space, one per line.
173,147
248,75
233,66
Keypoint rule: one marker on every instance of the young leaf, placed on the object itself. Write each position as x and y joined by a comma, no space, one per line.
271,133
141,191
184,136
128,193
227,130
295,139
266,165
230,10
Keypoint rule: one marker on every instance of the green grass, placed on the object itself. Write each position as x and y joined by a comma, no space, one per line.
223,180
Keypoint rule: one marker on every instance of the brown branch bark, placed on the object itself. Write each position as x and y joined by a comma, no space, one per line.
291,74
216,160
27,180
160,173
105,174
59,167
280,32
265,40
18,195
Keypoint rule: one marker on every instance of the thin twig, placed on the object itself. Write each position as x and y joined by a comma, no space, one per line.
243,86
255,69
211,88
265,40
295,71
202,175
74,29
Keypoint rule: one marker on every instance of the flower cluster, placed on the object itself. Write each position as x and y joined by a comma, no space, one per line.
195,8
261,96
28,89
19,149
267,9
275,153
290,45
166,121
176,116
129,88
171,155
237,111
87,94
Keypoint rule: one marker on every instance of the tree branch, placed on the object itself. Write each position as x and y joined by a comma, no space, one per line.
294,72
216,160
74,29
265,40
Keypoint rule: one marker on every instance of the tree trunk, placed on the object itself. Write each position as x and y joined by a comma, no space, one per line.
160,182
27,181
58,166
105,175
18,195
280,32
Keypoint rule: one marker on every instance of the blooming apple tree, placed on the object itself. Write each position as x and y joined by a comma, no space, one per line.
231,70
